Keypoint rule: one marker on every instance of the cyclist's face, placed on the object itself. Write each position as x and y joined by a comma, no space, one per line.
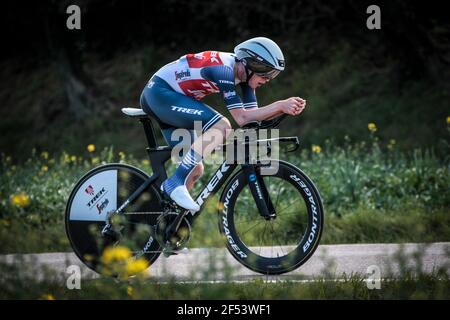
257,81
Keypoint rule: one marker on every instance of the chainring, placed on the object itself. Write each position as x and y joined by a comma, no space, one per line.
179,239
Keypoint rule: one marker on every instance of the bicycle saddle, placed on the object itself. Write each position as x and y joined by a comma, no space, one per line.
134,112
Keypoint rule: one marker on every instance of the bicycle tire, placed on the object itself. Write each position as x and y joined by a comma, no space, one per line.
242,245
100,190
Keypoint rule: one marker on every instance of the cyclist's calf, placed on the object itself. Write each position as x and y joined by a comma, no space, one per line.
196,173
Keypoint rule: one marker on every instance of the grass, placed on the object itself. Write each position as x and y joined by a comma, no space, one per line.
425,287
392,187
371,193
19,281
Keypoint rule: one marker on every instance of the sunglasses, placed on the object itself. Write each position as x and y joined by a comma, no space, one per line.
262,69
270,75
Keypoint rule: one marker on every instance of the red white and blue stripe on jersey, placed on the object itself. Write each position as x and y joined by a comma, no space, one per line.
200,74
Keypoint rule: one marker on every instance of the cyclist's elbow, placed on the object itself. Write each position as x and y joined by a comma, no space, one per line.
240,116
241,121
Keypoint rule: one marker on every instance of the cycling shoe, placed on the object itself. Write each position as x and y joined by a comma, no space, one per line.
182,197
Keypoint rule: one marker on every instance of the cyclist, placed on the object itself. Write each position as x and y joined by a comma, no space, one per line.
174,92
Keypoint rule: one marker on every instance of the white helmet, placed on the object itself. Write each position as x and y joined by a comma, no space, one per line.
261,55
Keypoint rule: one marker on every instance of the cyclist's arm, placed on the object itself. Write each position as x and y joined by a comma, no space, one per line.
223,76
251,111
292,106
243,116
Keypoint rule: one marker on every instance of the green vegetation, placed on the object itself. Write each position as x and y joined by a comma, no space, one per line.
424,287
341,100
63,90
371,192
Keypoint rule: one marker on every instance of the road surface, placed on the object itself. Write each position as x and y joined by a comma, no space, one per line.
329,261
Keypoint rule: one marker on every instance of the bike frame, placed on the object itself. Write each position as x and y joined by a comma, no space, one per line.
159,155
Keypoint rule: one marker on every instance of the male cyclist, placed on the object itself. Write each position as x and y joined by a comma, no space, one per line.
174,92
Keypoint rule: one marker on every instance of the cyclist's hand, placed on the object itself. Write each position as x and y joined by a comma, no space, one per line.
293,106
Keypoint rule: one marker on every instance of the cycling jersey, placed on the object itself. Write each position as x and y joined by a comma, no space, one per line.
200,74
172,95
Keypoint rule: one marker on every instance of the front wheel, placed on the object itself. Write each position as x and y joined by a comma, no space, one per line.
283,243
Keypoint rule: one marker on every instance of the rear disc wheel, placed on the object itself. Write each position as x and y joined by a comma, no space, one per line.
103,190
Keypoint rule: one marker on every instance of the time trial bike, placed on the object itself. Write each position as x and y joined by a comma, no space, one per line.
271,223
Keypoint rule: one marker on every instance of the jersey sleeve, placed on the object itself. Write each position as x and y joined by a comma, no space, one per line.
248,96
223,76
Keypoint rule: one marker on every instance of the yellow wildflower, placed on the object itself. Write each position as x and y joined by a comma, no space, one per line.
136,266
95,160
73,158
122,155
316,149
88,257
66,158
21,200
448,120
220,206
130,291
47,296
91,148
44,155
115,254
145,162
44,169
372,127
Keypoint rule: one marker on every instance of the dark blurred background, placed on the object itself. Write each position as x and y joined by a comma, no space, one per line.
63,89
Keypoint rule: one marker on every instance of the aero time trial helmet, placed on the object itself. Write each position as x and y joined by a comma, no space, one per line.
261,56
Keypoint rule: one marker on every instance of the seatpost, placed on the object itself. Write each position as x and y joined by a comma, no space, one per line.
158,155
149,132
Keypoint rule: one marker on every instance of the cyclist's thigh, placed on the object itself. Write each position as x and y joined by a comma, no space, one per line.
176,109
175,136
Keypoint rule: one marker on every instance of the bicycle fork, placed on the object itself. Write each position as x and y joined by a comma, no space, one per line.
259,192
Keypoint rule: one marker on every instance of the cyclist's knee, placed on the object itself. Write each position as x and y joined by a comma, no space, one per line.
224,126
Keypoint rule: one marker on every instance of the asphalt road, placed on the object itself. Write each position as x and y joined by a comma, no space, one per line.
329,261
